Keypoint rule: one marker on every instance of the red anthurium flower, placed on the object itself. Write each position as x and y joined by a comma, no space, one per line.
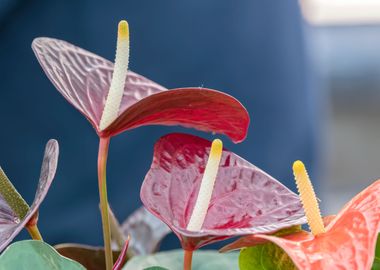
348,240
245,200
11,223
84,79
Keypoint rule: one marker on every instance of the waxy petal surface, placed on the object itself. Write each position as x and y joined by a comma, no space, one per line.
252,240
10,224
349,241
245,199
84,78
200,108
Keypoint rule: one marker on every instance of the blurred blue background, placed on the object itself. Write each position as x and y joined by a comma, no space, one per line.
254,50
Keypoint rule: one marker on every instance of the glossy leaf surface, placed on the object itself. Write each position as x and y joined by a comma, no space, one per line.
83,78
10,223
267,255
30,254
245,199
173,260
349,241
93,258
145,231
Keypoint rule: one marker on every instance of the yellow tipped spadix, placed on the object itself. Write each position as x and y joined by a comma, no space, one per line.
207,186
115,94
308,198
123,30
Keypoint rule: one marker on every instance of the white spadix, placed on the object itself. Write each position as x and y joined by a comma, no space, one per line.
115,94
207,186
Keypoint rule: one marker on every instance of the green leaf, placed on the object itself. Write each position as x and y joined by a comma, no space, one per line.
268,255
31,254
173,260
263,257
155,268
376,261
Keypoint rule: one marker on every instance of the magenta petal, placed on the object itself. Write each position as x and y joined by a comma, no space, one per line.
245,199
10,224
84,78
199,108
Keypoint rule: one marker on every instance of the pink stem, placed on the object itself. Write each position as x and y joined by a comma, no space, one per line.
123,255
102,164
188,258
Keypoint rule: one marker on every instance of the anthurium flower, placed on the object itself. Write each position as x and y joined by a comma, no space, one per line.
15,215
244,200
115,99
347,242
84,79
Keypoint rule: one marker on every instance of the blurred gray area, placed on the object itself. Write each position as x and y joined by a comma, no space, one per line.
348,61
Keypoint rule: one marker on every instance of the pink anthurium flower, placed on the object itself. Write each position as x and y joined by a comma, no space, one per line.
347,242
115,99
84,79
245,200
13,218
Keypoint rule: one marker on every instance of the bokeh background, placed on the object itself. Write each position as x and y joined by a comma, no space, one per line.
308,73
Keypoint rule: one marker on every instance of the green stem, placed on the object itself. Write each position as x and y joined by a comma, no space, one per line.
102,164
34,232
188,258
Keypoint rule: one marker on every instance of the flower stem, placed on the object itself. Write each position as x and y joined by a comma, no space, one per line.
188,258
34,232
102,164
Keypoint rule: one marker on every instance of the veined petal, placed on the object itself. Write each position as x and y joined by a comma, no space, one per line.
84,79
200,108
245,199
10,224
